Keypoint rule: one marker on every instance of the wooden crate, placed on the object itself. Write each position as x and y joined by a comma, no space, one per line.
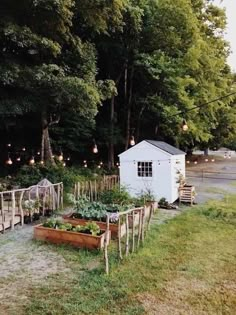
187,194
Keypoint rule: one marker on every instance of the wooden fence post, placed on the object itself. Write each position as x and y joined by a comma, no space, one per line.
133,232
107,235
127,234
13,210
21,208
119,239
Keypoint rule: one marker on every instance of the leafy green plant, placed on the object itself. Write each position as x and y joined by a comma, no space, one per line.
116,196
65,227
163,203
93,228
90,210
90,227
50,223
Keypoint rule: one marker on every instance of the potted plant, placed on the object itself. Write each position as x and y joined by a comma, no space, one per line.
61,232
31,210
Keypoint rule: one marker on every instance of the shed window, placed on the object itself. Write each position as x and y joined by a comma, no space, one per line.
144,169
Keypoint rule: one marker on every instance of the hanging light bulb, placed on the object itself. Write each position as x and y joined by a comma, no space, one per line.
38,153
132,141
60,157
85,165
23,149
195,162
32,161
85,161
184,125
99,166
95,148
18,159
9,145
101,163
9,160
188,162
68,159
206,160
64,164
41,162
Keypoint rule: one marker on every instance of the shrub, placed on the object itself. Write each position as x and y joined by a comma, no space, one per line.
116,196
31,175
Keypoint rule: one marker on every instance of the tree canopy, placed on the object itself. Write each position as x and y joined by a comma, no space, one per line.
71,71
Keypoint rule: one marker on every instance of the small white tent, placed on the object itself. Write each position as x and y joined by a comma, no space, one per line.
152,166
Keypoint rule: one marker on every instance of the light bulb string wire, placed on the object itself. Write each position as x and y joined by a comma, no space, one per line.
203,104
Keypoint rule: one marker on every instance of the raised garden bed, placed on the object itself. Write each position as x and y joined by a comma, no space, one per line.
113,227
77,239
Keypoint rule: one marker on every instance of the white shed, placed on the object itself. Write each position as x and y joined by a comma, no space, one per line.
152,166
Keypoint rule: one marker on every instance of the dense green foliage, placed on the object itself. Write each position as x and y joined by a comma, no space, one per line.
147,62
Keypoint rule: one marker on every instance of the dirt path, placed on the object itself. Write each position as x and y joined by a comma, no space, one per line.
24,264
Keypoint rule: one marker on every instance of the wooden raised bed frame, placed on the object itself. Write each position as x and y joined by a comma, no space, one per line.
75,239
103,225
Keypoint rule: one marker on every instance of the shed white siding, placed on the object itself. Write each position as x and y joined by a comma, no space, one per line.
165,171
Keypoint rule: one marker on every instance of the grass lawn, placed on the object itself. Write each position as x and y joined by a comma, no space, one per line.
188,266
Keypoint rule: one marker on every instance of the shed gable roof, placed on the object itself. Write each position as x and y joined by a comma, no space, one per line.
163,146
166,147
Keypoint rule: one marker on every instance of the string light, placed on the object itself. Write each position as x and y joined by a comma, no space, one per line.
9,145
18,159
213,160
38,153
23,149
95,149
132,141
195,162
64,164
85,165
206,160
60,157
41,162
184,125
32,161
188,162
9,160
68,159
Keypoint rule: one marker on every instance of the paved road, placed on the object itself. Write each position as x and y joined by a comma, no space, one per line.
213,180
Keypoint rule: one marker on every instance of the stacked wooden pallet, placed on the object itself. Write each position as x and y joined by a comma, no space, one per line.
187,194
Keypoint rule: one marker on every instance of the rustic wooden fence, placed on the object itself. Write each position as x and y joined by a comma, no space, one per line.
12,202
93,188
136,223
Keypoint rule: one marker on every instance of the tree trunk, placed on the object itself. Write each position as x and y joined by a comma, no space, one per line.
128,117
139,123
46,150
111,162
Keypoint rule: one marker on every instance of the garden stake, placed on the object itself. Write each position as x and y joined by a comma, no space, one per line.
119,239
127,235
133,233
